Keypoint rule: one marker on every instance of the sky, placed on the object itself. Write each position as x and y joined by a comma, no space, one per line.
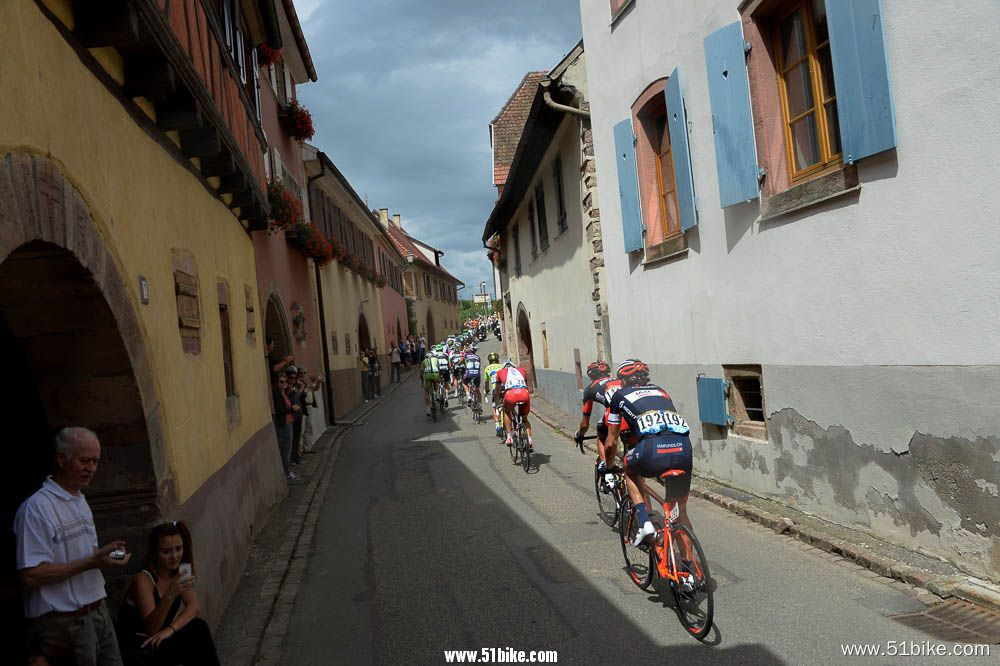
406,92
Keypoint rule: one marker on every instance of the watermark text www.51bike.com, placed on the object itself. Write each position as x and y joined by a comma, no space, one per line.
915,649
505,655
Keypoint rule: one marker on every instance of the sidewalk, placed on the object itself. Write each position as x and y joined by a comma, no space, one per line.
881,557
253,626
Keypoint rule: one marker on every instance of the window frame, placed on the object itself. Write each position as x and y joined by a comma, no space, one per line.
560,194
543,223
534,230
225,327
828,161
516,240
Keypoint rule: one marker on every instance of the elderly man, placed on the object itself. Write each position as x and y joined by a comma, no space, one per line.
58,561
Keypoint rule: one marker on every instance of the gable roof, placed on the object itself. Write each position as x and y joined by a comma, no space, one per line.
407,245
508,125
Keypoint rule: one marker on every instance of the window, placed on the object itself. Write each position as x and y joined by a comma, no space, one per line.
617,6
281,90
517,250
188,305
251,319
534,231
560,197
654,158
227,342
427,284
543,225
808,94
255,86
746,401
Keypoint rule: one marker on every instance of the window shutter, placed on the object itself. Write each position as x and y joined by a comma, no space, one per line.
712,401
681,151
861,74
628,186
729,91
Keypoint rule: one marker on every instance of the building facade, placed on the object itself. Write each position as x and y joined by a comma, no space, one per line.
545,228
773,248
285,274
430,290
127,269
352,286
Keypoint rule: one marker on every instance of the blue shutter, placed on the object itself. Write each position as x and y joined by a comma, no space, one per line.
628,185
712,401
681,150
861,76
729,91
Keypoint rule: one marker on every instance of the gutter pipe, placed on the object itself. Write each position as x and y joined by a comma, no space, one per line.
547,98
322,310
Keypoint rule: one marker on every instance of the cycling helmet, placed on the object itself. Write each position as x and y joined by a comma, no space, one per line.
508,363
633,371
473,348
493,357
598,369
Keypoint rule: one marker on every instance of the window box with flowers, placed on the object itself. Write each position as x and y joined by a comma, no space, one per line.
296,121
267,56
286,209
353,263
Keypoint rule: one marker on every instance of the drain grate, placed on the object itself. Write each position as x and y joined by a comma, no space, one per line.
955,621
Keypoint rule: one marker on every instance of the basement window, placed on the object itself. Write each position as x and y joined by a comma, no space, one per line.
746,401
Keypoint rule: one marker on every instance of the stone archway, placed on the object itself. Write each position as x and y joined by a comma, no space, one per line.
364,336
524,347
432,338
276,328
72,341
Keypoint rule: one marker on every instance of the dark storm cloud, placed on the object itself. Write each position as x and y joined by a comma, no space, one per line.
406,91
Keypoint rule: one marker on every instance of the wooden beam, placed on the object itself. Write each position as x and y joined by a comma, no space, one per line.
256,217
181,113
203,142
232,183
149,76
242,199
222,164
113,23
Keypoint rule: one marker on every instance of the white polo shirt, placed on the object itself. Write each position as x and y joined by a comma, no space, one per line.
57,527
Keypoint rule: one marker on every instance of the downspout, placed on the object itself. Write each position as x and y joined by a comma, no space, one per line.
322,309
547,98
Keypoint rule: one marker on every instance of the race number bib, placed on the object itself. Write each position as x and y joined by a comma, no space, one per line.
659,421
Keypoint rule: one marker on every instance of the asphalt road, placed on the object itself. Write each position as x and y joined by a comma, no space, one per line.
430,539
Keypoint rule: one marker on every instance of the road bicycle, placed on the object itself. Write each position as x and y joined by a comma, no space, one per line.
477,404
673,554
609,501
520,448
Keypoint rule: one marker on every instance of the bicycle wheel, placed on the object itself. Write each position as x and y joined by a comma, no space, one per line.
638,561
695,600
515,447
607,503
525,450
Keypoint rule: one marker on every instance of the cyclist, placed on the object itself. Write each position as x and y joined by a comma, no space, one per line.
456,361
472,370
490,372
514,389
432,376
660,438
599,374
443,368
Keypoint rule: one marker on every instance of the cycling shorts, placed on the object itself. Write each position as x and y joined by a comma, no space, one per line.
445,375
471,379
430,379
655,455
515,395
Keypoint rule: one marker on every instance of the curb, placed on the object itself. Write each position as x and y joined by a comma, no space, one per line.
969,589
267,624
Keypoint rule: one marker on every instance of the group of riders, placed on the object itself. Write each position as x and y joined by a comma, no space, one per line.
636,411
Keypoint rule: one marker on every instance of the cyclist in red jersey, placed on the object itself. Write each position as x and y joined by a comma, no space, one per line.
514,388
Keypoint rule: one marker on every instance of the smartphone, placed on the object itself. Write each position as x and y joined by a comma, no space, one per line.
117,554
185,570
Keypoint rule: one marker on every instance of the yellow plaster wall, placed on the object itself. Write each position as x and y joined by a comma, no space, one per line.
445,314
343,292
144,204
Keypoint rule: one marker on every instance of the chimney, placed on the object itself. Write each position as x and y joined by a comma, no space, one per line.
395,221
383,216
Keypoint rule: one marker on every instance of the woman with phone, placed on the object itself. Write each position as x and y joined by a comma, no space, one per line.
159,623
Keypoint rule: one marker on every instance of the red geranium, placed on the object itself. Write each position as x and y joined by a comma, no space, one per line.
286,210
297,121
266,55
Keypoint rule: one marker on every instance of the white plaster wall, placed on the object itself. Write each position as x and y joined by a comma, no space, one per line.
907,274
556,287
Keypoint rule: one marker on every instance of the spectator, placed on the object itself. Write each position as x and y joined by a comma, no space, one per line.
274,366
404,353
423,348
394,359
58,561
158,624
308,436
365,379
284,411
296,393
375,371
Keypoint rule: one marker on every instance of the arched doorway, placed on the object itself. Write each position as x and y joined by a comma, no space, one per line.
67,363
276,328
432,338
524,346
364,337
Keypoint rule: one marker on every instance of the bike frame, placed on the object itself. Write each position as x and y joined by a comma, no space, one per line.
666,567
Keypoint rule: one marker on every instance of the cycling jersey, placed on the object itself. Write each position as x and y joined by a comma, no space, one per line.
431,365
511,378
457,363
596,392
472,364
490,372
